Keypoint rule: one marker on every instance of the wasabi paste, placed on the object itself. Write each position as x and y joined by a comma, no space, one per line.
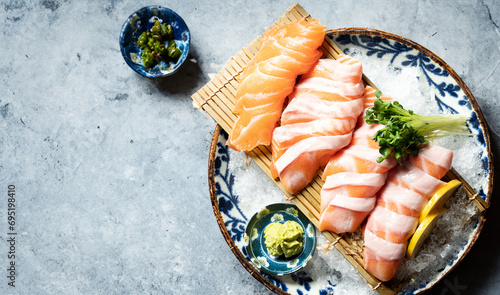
284,238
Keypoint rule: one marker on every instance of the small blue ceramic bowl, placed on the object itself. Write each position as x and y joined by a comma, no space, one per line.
255,241
142,20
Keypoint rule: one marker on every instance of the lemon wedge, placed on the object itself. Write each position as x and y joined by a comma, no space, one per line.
439,198
422,232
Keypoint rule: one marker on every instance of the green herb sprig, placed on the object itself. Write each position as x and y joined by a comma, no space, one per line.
405,131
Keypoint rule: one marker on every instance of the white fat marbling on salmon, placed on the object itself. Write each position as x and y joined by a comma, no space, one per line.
384,249
368,154
256,121
400,196
277,62
335,190
415,178
249,99
354,179
408,187
313,121
272,71
344,72
359,158
327,218
287,47
346,161
392,222
366,130
310,146
319,127
325,85
355,204
307,106
437,155
281,45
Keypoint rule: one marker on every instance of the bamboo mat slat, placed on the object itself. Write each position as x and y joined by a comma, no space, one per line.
217,98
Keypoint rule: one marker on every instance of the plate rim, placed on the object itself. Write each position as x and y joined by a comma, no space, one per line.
374,32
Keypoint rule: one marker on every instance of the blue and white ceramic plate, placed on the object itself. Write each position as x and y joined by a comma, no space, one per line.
329,273
255,239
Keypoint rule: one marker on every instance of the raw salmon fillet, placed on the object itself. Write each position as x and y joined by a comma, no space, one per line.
400,202
353,177
286,51
318,121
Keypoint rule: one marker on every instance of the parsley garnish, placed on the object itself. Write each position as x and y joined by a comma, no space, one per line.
405,131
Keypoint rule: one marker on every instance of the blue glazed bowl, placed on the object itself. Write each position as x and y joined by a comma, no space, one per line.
255,241
142,20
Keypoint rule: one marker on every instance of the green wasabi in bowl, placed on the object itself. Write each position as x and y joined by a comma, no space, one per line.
284,238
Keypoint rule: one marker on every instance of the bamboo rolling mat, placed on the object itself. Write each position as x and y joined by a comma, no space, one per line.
217,98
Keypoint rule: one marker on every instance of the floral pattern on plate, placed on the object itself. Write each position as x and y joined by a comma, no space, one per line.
449,97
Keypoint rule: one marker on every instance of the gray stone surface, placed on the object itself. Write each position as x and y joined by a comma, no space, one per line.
110,168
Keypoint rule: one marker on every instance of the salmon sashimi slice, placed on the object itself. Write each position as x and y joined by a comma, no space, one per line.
300,29
310,107
348,189
338,219
342,214
318,121
343,69
434,162
295,167
287,135
286,51
301,35
405,200
329,90
390,222
400,202
385,268
346,198
358,158
272,86
411,177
